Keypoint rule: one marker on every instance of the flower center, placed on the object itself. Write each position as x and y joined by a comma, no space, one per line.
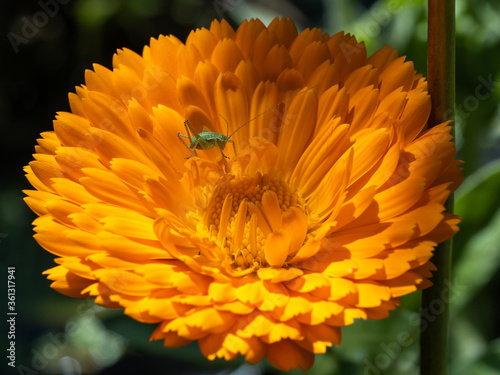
243,213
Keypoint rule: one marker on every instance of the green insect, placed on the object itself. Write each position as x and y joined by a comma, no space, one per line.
207,140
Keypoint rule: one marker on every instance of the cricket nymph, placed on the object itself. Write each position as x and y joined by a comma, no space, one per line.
205,140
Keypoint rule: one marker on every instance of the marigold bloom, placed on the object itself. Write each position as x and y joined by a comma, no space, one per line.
330,211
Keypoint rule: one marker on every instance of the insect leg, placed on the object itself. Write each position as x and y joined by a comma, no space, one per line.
234,147
221,143
193,149
222,152
191,146
180,136
188,127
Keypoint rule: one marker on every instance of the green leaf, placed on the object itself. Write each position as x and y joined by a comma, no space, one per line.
476,202
479,262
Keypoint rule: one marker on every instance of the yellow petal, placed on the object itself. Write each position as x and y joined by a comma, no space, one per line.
277,248
66,282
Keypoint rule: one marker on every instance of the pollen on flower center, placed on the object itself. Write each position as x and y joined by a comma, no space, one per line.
243,213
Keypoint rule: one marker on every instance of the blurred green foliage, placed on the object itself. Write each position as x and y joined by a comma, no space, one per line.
35,81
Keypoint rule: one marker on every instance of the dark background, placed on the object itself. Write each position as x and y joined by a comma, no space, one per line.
41,63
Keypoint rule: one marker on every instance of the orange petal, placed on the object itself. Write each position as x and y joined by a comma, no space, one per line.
286,355
277,248
66,282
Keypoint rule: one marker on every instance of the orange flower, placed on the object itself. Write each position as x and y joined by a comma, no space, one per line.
330,210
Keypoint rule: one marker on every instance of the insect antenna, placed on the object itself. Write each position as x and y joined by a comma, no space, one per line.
227,125
267,110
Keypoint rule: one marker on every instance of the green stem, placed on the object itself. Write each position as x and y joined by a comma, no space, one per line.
441,82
